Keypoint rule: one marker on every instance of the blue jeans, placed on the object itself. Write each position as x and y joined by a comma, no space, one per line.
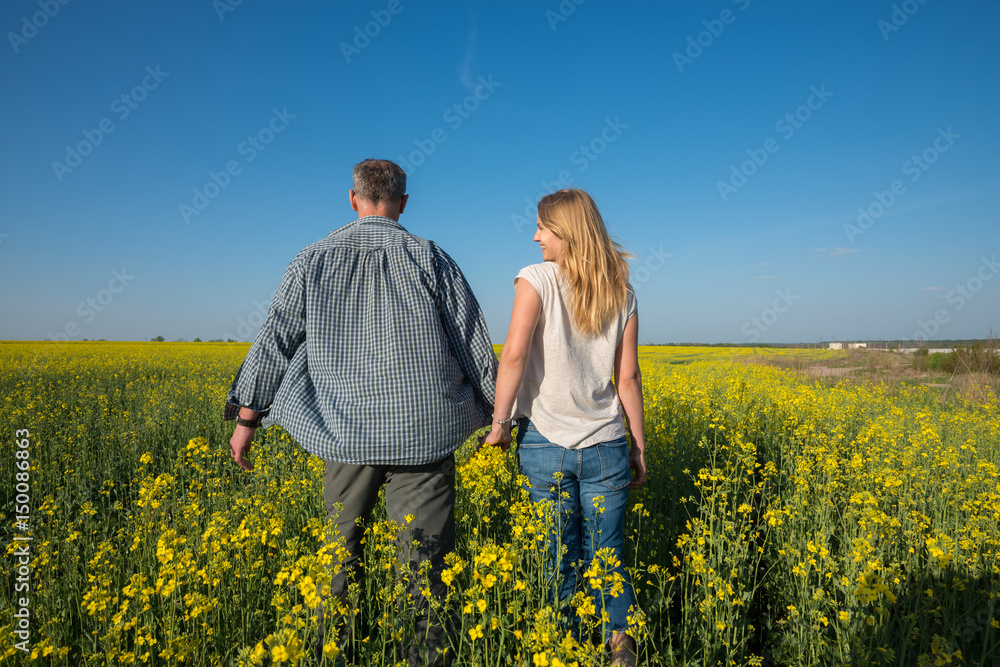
583,523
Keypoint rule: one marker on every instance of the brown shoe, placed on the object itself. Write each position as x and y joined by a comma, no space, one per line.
623,654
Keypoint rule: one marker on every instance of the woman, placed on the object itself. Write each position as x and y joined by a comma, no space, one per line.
573,329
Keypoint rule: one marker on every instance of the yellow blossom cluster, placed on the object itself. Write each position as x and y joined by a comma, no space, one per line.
811,523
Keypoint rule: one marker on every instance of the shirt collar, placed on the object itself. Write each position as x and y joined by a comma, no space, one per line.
370,220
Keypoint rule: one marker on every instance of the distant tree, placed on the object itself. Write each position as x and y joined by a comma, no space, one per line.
196,340
230,340
159,339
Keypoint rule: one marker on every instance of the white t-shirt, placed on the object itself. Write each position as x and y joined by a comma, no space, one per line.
567,390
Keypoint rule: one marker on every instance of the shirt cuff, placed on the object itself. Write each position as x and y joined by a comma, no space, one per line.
232,409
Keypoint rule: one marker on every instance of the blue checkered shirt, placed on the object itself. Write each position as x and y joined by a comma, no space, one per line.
374,350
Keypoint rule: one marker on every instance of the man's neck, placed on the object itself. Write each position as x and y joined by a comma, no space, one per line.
386,209
380,211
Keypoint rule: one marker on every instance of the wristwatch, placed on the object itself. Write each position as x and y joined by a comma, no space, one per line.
246,422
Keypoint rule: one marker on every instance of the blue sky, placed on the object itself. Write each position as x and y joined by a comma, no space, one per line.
782,172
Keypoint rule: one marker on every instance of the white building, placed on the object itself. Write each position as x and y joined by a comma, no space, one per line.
836,346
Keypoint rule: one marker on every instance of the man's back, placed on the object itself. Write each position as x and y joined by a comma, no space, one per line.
391,355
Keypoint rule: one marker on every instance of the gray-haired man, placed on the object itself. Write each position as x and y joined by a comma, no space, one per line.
375,357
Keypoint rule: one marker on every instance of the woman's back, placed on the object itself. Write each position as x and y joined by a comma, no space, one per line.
567,390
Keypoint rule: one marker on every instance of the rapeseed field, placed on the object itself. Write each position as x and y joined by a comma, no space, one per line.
784,522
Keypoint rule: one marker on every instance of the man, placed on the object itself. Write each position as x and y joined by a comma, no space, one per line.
375,357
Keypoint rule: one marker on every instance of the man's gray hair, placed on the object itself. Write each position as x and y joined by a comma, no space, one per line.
379,180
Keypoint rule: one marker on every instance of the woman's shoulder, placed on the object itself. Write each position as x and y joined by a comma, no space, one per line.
631,302
542,270
551,267
544,277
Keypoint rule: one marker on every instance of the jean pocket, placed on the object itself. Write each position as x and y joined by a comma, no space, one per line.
615,471
539,463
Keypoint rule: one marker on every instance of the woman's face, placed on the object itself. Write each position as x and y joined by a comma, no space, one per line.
550,244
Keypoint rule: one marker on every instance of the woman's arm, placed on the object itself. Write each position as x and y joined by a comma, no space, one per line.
513,358
628,382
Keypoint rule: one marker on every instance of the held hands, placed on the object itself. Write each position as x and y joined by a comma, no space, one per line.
498,436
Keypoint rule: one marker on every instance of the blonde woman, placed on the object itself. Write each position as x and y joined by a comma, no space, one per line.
568,371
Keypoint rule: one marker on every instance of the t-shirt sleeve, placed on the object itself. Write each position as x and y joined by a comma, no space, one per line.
631,304
537,278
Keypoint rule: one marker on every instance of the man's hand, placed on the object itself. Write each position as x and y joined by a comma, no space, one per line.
637,463
239,445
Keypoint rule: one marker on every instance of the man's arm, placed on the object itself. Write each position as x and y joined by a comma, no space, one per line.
465,328
265,365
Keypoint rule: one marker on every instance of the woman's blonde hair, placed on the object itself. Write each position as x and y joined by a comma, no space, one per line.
594,267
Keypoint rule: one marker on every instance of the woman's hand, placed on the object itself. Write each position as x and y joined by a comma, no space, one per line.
637,463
